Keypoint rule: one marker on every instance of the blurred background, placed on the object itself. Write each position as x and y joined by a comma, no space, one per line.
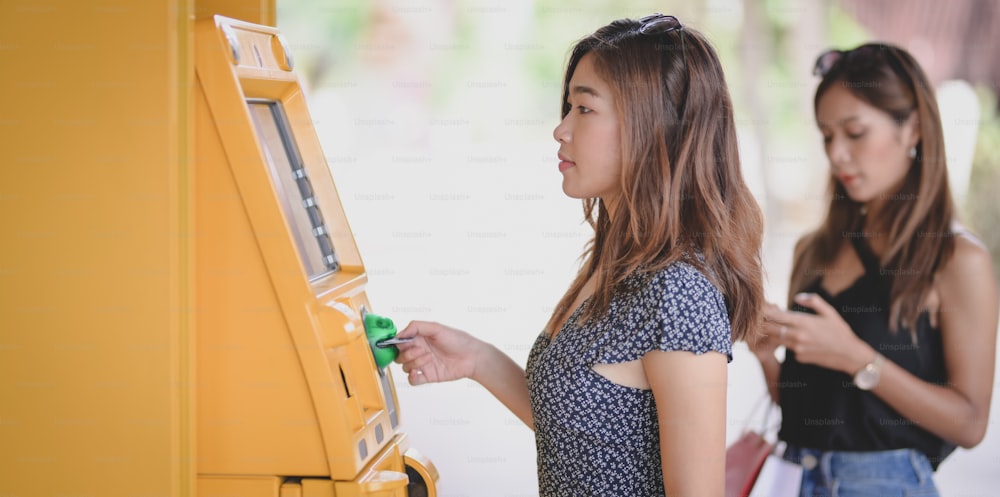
437,117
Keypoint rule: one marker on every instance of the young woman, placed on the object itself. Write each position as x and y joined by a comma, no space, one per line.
626,385
890,347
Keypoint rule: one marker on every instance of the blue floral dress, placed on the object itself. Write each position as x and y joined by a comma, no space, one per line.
595,437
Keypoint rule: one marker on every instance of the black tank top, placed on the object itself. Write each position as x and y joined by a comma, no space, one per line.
823,409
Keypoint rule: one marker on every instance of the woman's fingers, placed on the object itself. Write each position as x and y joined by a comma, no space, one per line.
419,328
816,303
411,353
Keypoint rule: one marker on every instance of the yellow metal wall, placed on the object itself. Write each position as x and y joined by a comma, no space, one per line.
95,254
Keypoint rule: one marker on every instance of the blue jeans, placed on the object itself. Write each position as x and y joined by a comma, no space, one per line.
888,473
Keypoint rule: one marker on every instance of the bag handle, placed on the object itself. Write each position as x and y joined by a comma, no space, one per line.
768,431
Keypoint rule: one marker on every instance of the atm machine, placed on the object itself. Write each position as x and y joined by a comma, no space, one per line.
291,401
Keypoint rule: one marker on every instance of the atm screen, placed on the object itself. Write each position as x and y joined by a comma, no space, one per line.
289,176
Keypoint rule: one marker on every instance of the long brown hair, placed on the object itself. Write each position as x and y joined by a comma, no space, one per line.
682,189
918,217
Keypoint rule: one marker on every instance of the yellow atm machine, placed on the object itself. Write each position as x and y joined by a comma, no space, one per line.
291,401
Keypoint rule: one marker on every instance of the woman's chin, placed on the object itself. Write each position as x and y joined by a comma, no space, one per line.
572,192
860,196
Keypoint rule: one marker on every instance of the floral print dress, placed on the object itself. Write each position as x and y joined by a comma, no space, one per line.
598,438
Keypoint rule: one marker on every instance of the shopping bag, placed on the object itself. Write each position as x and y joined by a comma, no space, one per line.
778,478
744,459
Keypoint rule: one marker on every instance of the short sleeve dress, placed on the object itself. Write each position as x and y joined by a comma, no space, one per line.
598,438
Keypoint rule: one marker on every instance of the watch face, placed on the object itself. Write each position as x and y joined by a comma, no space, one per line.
866,379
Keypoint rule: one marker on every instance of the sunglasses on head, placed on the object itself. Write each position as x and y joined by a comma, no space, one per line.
861,57
657,24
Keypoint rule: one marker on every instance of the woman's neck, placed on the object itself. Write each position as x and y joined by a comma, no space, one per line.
610,203
876,229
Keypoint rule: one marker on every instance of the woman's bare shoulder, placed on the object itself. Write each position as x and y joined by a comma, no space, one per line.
970,268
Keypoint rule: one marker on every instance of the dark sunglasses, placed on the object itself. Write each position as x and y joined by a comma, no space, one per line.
864,56
657,24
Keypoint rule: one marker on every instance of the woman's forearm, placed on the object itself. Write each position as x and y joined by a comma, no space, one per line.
505,379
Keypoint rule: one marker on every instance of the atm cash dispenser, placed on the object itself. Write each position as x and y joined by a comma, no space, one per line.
290,400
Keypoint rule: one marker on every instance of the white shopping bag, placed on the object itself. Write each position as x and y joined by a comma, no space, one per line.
777,478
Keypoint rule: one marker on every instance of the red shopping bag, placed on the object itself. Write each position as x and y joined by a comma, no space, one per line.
744,458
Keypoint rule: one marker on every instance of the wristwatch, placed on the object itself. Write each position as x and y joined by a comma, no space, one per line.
867,377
